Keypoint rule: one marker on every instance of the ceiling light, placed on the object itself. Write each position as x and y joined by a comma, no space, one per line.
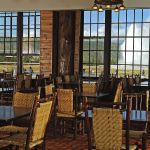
115,5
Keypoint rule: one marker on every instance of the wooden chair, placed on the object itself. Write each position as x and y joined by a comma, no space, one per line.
23,99
36,132
107,129
19,82
58,82
40,81
140,102
8,75
89,89
67,109
27,81
48,89
20,100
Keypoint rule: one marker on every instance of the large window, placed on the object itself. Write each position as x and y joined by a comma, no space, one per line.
93,43
130,36
8,40
31,40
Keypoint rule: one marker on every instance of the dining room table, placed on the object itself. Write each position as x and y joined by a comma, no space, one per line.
9,114
142,86
98,96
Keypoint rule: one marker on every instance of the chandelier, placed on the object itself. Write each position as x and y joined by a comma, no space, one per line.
101,5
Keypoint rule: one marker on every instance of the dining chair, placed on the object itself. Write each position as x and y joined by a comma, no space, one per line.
67,110
140,105
27,81
23,99
19,82
59,82
36,132
89,88
105,130
49,89
20,100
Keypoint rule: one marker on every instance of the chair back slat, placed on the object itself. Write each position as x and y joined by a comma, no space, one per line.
65,100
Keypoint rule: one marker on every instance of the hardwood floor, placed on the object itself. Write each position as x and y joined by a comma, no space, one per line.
67,143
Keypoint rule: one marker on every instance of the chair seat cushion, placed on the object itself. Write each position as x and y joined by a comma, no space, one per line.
68,114
13,129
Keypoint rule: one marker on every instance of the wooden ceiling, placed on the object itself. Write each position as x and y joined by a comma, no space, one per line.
20,5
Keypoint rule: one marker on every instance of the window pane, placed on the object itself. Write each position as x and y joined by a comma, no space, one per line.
122,30
86,44
114,43
145,58
85,57
86,29
102,17
146,14
101,30
129,57
94,17
100,44
93,44
122,16
137,44
86,16
100,57
145,44
138,29
114,30
94,30
138,15
130,16
137,58
114,17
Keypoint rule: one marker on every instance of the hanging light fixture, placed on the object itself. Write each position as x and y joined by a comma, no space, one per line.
101,5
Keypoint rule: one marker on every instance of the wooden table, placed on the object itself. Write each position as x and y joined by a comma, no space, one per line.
144,85
10,113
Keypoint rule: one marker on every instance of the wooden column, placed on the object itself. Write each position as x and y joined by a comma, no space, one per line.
19,41
107,44
66,41
55,43
78,42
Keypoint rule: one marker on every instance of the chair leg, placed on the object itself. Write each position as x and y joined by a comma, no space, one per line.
144,144
43,145
75,128
17,147
55,125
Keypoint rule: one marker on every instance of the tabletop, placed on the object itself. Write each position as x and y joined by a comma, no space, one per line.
10,113
93,95
139,116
